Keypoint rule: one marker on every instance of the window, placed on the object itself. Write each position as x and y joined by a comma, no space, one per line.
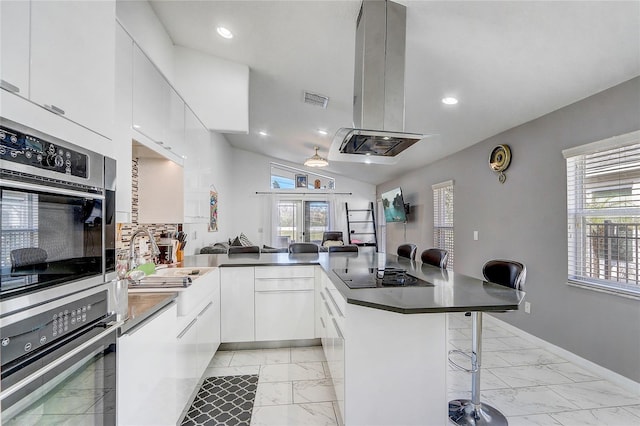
603,214
283,177
443,218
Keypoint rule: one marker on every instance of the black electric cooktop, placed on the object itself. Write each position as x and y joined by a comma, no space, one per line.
374,278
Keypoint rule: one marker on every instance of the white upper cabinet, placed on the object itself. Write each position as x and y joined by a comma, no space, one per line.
122,128
151,99
14,46
72,60
196,184
175,136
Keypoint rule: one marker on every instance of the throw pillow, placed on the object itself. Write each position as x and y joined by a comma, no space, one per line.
332,243
244,240
236,242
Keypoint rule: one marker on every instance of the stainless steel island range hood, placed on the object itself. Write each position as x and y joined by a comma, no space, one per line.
378,110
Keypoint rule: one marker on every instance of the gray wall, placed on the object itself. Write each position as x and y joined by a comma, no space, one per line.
525,219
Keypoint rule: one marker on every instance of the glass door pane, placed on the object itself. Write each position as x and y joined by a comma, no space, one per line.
289,221
316,220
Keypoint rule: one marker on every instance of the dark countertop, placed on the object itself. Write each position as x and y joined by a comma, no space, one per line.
450,292
143,306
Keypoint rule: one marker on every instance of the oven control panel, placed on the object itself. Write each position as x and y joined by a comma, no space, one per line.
35,332
31,151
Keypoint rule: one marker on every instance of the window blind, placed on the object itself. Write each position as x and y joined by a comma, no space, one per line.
19,223
443,234
603,214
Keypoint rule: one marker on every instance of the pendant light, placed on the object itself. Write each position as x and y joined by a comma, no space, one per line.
316,160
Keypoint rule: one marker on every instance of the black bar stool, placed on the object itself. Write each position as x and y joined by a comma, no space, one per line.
408,251
435,257
303,248
465,412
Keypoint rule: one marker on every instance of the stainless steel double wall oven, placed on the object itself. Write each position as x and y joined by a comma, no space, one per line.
57,252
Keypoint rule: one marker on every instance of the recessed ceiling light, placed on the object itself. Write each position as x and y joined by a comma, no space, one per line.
449,100
224,32
262,133
323,132
136,126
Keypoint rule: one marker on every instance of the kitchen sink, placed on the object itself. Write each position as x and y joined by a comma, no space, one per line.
181,272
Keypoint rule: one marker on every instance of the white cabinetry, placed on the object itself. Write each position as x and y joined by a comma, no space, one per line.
284,302
146,365
122,127
198,335
237,304
196,184
72,56
60,55
14,46
332,325
150,99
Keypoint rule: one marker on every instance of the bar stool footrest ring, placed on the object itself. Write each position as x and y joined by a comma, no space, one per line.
473,368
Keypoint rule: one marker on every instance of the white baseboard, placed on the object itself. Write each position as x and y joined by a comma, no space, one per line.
618,379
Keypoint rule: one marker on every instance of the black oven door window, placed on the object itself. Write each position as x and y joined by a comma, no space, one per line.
48,239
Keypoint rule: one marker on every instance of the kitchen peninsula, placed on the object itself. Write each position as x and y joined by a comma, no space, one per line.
386,347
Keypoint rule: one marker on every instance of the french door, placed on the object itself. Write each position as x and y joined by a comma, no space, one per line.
301,221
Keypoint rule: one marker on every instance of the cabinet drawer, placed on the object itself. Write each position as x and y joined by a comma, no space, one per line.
279,284
284,271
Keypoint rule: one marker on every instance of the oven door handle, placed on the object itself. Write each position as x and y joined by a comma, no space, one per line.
44,370
49,189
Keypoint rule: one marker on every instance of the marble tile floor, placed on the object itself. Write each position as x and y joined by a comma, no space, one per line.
529,384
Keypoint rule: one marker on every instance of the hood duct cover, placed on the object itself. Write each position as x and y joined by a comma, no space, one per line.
378,110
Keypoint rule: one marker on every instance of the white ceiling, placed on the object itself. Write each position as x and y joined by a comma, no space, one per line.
507,61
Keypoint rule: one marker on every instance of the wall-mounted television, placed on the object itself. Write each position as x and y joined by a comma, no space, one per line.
393,204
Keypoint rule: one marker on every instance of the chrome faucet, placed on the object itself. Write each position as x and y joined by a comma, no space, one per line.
155,251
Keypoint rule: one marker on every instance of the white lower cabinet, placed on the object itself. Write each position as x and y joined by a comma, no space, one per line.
237,315
284,315
197,338
146,371
331,317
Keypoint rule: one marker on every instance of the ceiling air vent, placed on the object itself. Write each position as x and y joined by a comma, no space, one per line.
316,100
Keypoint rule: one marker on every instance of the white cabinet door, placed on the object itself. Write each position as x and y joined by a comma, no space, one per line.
151,99
14,46
187,376
175,135
237,304
72,57
208,326
146,370
196,184
284,315
122,128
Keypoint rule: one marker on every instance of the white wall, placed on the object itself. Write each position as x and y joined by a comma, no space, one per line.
526,219
251,172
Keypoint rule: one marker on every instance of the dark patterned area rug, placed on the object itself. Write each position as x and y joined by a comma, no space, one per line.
226,400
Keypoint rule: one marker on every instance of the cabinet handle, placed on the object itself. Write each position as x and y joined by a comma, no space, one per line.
334,303
187,329
337,328
206,308
323,298
55,109
328,308
8,86
284,291
322,322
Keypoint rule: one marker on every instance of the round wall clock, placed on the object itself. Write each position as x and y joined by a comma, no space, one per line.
499,161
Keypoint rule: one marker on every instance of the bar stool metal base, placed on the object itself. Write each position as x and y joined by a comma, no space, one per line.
463,413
